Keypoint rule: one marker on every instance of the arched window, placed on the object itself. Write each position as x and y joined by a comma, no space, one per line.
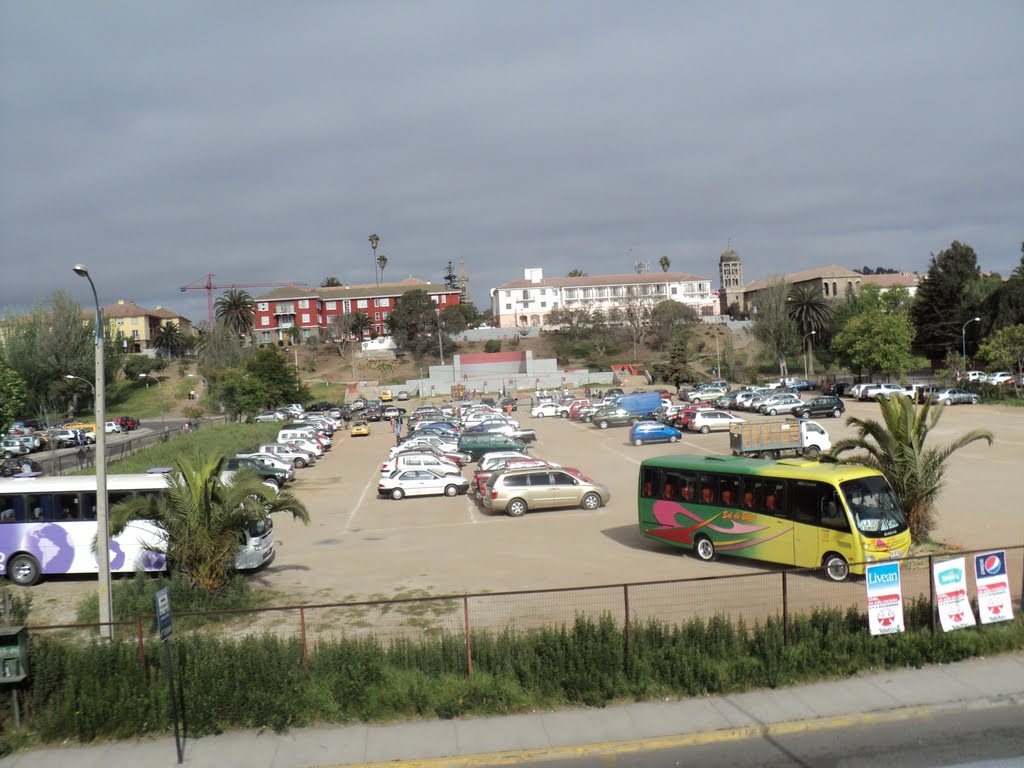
826,290
834,291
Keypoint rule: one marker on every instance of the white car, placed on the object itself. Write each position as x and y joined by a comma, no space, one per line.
713,421
880,390
544,409
421,482
428,441
418,460
1001,377
270,416
488,460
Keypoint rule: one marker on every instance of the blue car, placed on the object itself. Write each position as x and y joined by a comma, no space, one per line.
653,432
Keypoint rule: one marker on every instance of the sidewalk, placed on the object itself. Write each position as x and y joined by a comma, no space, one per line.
623,728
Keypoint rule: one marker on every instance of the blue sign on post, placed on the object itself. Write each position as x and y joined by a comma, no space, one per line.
163,612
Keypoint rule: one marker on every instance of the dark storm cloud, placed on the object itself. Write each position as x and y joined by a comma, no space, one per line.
264,141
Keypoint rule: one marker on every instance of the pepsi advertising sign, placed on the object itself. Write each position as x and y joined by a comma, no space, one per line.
994,601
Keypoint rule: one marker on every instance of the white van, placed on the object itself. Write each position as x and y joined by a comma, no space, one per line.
288,435
308,444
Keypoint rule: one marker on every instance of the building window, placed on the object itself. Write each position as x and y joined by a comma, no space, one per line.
675,290
331,305
508,306
264,320
543,291
833,290
265,337
570,293
263,306
543,304
508,294
826,291
305,317
135,335
376,303
444,299
346,306
526,294
361,304
434,299
303,303
385,315
376,316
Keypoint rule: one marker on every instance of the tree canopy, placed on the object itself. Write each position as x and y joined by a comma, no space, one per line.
414,323
946,299
237,310
876,336
773,326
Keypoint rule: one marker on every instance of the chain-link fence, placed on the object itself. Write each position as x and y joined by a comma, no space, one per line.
754,598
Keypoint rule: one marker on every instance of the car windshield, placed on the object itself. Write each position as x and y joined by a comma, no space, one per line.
874,506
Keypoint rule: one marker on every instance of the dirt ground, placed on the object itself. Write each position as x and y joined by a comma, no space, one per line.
359,546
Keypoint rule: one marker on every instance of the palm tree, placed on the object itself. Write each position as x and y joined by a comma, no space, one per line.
577,272
237,310
360,324
896,448
203,516
330,282
808,309
665,263
169,339
374,242
382,261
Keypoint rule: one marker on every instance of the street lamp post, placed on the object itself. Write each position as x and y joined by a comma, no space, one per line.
807,354
161,385
963,340
102,521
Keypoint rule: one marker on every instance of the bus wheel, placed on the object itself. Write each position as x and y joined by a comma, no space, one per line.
836,567
23,570
705,548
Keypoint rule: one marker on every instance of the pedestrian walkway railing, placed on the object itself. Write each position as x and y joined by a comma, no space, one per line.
766,593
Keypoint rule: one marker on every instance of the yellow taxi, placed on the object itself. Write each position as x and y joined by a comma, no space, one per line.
360,429
386,396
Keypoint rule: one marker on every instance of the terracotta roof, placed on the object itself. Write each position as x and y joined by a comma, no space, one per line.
891,281
596,280
830,271
354,291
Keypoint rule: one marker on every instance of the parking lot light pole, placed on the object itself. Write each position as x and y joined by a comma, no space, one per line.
963,341
106,597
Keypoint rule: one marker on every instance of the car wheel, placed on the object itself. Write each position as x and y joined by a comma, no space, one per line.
8,455
516,508
836,567
633,421
974,400
23,570
836,413
591,501
705,548
772,412
638,442
673,439
705,429
812,452
540,415
602,424
564,414
451,490
397,494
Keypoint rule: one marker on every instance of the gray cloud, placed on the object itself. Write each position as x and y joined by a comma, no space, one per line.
264,141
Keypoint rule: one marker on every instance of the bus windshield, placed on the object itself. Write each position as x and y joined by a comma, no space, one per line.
874,506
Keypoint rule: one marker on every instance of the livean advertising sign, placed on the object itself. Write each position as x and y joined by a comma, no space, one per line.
951,594
994,603
885,598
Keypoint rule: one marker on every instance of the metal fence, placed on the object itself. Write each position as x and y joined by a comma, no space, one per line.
68,460
754,598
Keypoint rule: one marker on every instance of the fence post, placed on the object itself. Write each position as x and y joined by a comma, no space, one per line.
305,648
785,609
469,649
931,590
141,644
625,606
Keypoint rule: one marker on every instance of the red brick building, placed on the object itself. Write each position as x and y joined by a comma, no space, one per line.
312,310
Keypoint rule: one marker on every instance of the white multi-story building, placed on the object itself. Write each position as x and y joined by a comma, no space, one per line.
529,301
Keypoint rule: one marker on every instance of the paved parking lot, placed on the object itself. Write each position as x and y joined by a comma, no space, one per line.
359,545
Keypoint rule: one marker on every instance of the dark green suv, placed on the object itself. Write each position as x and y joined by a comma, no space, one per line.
826,405
615,417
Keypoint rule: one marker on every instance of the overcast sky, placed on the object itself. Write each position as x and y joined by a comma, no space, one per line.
264,141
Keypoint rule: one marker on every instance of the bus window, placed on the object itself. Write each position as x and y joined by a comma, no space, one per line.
753,494
650,481
689,486
38,507
670,490
730,491
775,497
66,507
803,502
832,513
708,489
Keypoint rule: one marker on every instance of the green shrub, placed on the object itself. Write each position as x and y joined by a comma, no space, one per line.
492,345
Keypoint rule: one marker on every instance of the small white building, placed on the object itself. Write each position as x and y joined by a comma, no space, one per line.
529,301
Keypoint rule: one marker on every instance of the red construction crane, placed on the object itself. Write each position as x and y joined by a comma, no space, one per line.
207,284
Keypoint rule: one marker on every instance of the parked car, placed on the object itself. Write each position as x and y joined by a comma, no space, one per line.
360,429
402,395
386,396
653,432
873,391
545,409
826,405
707,394
419,460
952,396
421,482
777,404
972,376
801,385
998,378
618,417
919,393
517,491
270,416
12,446
837,388
16,466
713,421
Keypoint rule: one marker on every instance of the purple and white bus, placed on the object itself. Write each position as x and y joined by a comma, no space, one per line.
48,526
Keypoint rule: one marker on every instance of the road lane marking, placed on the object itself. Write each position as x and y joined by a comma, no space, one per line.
374,481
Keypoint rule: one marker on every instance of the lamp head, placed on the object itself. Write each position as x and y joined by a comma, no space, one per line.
977,319
69,376
143,375
81,270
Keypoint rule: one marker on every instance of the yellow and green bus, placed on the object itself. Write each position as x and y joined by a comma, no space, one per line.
794,511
